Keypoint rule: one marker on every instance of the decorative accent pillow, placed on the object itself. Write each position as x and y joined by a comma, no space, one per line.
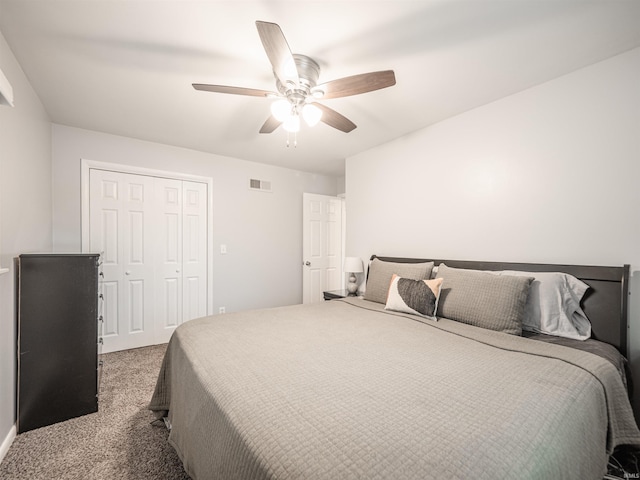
486,300
419,297
380,274
553,306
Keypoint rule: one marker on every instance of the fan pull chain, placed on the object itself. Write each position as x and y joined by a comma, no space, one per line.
295,140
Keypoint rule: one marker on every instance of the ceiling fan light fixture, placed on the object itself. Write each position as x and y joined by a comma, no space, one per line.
292,123
311,114
297,88
281,109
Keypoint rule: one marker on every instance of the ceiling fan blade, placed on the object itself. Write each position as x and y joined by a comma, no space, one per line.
277,48
252,92
356,84
334,119
270,125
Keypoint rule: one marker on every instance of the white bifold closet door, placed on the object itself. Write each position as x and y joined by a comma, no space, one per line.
181,247
152,233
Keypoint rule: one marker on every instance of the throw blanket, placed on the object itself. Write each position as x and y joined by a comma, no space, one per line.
345,389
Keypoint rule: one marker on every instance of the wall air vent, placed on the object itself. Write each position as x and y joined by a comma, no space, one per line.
260,185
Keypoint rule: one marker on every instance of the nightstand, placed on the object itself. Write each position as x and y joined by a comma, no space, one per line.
333,294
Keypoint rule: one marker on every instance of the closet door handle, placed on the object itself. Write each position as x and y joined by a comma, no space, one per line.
177,270
128,272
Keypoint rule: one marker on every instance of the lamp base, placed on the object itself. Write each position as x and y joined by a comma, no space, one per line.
352,286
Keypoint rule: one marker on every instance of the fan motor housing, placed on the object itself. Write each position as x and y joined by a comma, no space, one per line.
308,73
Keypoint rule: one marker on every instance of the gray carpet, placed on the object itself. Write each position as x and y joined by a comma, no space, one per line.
117,442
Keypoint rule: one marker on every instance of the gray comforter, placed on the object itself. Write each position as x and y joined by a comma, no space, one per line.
343,390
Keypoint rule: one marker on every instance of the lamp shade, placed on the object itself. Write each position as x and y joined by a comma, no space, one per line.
353,265
311,114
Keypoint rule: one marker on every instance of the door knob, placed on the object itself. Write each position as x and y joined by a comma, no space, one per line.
307,263
177,270
128,272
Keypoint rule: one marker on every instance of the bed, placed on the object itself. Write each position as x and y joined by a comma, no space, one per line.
363,388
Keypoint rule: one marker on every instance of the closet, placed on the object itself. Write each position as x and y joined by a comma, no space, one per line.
151,233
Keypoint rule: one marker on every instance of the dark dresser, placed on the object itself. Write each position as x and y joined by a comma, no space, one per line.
57,338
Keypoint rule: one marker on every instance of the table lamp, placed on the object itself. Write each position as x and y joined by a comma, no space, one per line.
353,265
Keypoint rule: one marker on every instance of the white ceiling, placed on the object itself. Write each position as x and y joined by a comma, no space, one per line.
126,67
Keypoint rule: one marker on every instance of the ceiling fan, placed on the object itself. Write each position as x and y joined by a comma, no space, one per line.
297,89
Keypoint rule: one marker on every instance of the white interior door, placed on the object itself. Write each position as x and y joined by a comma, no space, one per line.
168,247
152,232
122,230
322,246
181,253
194,250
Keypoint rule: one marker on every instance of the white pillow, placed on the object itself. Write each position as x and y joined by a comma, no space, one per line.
553,305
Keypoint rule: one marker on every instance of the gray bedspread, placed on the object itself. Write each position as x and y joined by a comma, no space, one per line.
345,390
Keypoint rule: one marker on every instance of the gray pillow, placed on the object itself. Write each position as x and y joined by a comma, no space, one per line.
380,274
486,300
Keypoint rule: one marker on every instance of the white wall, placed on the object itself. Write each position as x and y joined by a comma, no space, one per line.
25,209
341,186
549,175
262,231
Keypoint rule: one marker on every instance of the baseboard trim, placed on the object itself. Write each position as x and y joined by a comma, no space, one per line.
6,443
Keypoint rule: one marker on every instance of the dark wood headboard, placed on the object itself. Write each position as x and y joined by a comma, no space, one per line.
605,303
